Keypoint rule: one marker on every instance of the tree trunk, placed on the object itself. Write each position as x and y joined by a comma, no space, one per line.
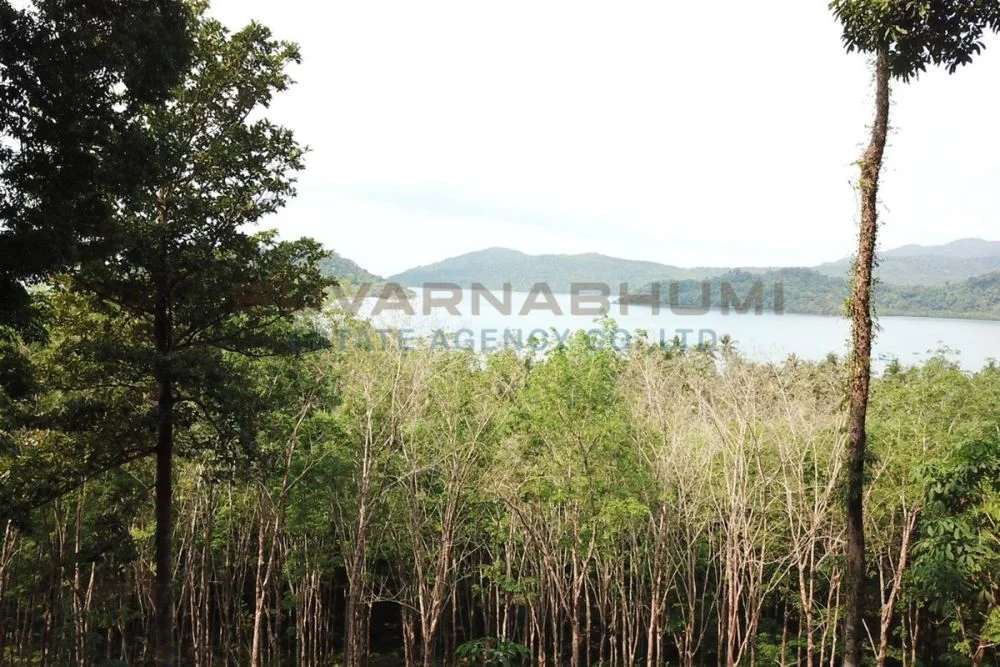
261,577
861,338
163,511
163,503
889,605
355,642
7,552
357,611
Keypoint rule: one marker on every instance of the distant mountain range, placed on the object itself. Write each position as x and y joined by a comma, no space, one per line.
958,279
929,265
910,265
960,249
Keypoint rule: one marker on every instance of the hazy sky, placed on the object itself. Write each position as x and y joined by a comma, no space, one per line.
689,133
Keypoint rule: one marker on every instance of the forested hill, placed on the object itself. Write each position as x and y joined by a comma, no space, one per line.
808,292
788,290
346,270
977,297
495,266
929,265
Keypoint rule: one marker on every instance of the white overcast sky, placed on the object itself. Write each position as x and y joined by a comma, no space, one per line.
689,133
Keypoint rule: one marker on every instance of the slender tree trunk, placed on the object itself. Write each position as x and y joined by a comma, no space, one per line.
54,607
7,553
163,503
261,579
409,636
889,605
861,338
355,643
357,609
163,511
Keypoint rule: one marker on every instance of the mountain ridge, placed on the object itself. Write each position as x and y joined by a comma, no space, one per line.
910,265
966,248
929,281
496,265
915,265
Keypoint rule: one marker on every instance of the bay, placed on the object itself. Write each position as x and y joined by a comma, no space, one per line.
762,337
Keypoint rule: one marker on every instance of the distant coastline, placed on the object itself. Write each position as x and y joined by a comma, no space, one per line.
959,280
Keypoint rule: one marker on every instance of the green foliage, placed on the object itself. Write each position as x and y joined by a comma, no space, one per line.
579,494
918,33
492,652
191,283
74,79
801,291
617,465
958,555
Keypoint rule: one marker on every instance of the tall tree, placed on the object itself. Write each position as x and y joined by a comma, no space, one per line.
189,283
903,37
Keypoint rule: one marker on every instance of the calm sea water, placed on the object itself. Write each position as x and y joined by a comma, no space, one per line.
766,337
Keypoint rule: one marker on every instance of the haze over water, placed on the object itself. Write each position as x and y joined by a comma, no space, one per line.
765,337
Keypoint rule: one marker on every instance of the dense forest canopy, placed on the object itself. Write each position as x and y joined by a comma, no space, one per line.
657,506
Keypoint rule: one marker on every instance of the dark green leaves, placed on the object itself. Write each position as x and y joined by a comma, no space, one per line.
73,76
958,554
918,33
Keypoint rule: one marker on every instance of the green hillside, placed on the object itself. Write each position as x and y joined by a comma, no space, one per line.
977,297
346,270
809,292
496,266
788,290
929,265
920,269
